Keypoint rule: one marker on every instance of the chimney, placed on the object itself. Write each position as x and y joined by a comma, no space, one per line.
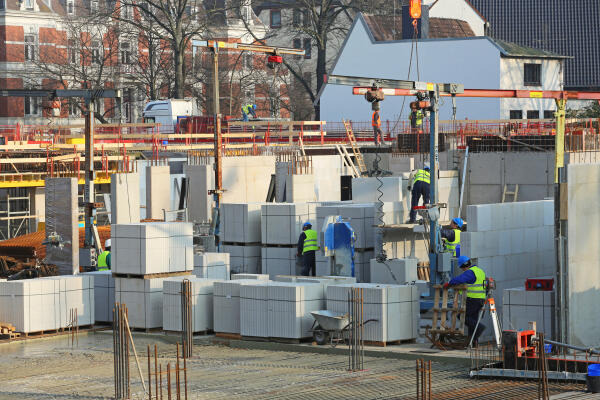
422,23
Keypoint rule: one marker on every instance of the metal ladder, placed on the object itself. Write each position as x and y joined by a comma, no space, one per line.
362,168
347,160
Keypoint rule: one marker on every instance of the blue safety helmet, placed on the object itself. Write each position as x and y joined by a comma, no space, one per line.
463,260
307,225
458,221
254,106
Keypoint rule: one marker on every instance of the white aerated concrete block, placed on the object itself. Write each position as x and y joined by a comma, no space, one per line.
280,261
289,307
158,193
150,248
361,218
366,189
395,307
212,265
281,224
300,188
522,306
245,259
240,222
144,300
226,304
104,295
259,277
202,304
254,309
125,198
404,270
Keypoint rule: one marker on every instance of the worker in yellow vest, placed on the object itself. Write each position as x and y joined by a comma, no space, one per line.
307,247
451,237
247,110
473,277
104,257
419,188
416,120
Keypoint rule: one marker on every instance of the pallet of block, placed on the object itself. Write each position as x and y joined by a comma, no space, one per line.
8,331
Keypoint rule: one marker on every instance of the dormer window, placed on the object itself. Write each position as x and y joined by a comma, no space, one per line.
29,4
70,7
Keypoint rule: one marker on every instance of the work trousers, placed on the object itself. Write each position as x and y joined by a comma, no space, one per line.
309,263
245,116
419,189
377,135
472,315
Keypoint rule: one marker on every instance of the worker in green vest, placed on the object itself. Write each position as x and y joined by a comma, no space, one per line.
247,110
473,277
307,247
419,188
104,258
451,237
416,119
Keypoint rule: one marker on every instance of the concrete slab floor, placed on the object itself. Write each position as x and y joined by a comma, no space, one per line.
51,368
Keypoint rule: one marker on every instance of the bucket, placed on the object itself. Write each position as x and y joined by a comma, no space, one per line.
593,378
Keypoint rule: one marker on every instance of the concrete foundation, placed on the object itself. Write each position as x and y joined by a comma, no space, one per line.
62,211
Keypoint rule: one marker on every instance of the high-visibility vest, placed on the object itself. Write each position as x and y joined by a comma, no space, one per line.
421,175
451,246
376,119
310,243
419,115
246,109
102,264
476,290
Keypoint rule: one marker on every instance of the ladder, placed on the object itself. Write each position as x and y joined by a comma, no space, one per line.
347,160
514,193
362,168
301,144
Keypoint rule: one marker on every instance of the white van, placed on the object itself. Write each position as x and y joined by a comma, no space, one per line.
166,112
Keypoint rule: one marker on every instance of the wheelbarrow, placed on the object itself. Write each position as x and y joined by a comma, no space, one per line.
331,327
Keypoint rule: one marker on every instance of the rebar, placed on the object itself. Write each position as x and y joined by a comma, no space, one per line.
187,318
121,352
423,370
158,372
356,331
542,369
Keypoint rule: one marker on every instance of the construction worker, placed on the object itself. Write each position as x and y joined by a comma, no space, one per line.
416,119
420,187
104,258
473,277
451,237
247,110
307,247
376,124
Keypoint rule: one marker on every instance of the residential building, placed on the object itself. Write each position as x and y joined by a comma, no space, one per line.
477,62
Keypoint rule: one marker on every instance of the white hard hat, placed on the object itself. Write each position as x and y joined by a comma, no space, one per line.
107,243
426,165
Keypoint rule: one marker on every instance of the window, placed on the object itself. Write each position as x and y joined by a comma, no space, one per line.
97,53
29,4
533,114
533,75
297,44
305,19
94,6
2,4
125,53
307,48
32,105
516,114
245,13
247,61
29,47
275,18
549,114
126,12
297,18
72,51
73,109
70,7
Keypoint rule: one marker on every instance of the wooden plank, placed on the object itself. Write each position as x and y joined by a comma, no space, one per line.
454,310
436,304
444,305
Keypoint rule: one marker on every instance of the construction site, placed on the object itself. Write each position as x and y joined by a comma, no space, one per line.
430,256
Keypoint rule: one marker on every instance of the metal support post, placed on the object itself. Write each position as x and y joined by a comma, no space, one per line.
562,308
434,166
88,192
559,161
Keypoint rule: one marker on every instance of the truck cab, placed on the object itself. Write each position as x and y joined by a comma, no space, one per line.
167,113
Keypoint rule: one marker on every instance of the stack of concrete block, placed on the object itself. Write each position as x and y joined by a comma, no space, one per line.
151,248
45,304
521,307
254,309
289,306
202,304
125,198
104,295
404,270
511,241
241,223
244,259
260,277
212,265
395,307
325,281
281,227
144,300
226,304
158,193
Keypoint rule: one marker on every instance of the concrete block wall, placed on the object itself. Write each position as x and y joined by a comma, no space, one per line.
45,304
202,304
125,198
244,259
404,271
155,247
158,193
395,307
241,222
522,306
511,241
365,190
62,212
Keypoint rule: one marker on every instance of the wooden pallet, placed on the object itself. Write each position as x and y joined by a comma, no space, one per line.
230,336
390,343
151,276
179,333
448,332
423,273
147,330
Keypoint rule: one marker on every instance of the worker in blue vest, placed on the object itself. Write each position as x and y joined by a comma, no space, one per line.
451,237
307,247
473,277
247,110
104,257
419,188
